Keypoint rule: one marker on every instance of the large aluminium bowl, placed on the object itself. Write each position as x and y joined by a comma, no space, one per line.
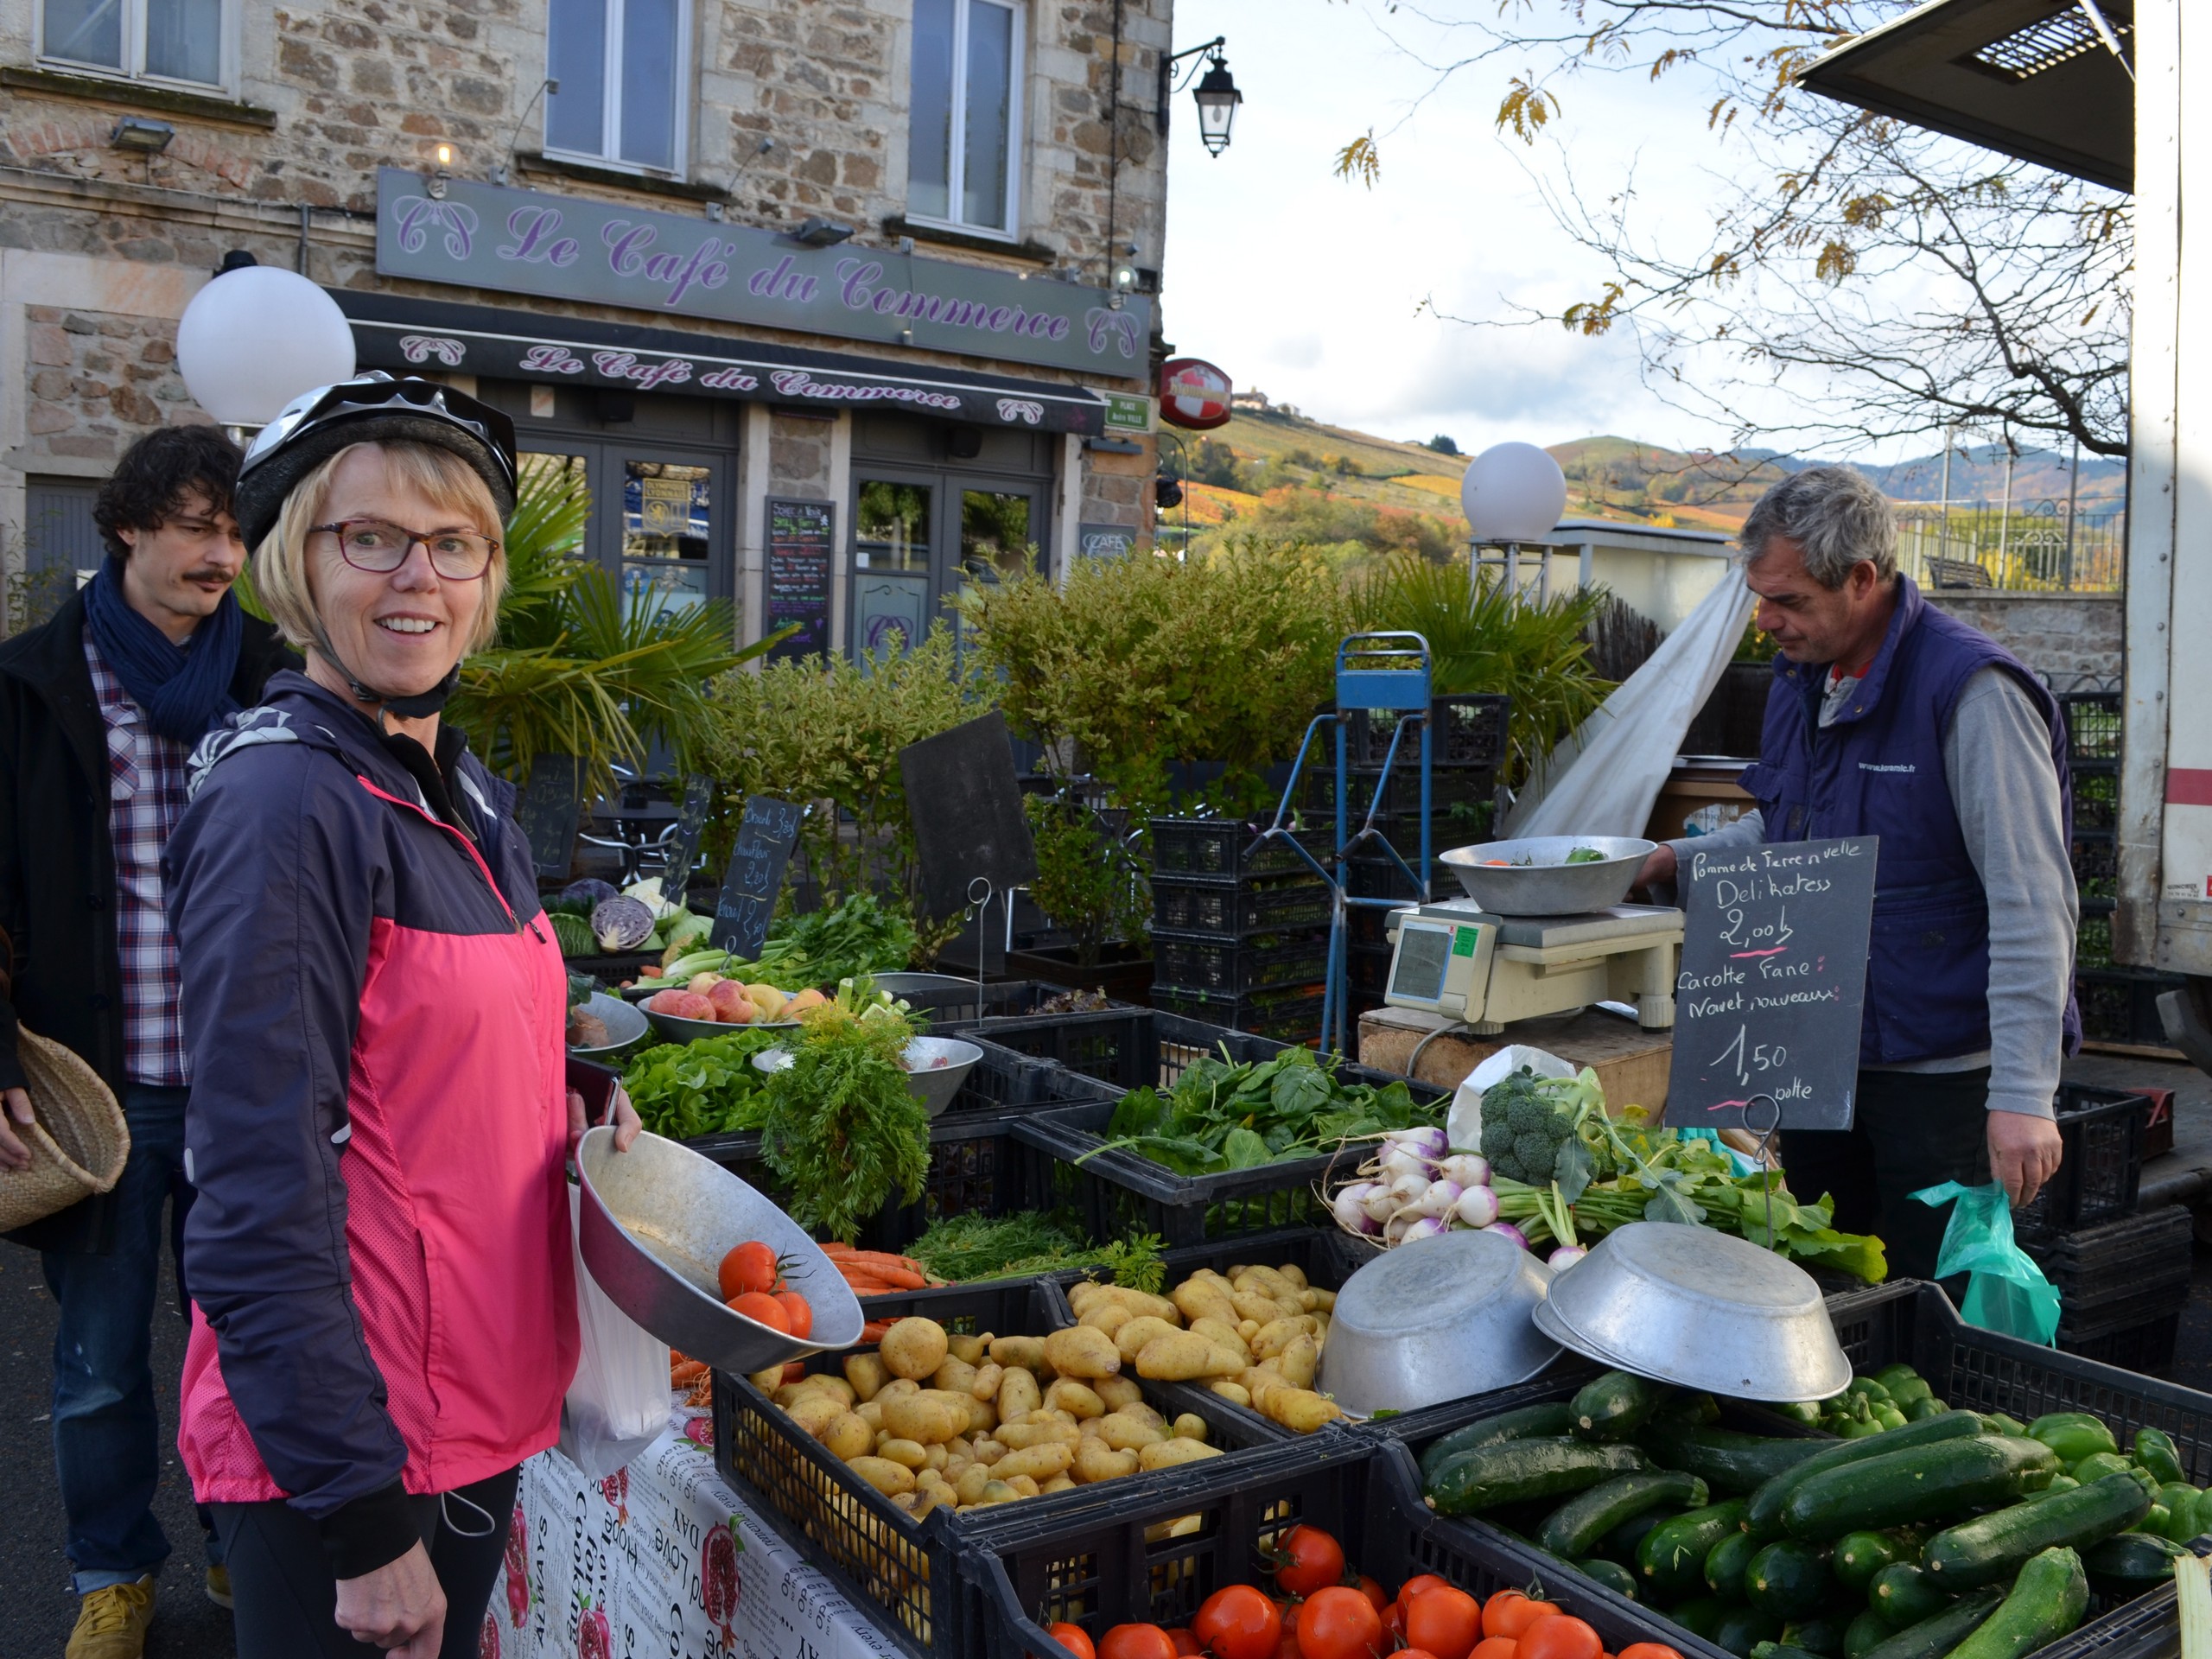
655,1222
1436,1320
1547,885
675,1028
936,1067
625,1025
1700,1308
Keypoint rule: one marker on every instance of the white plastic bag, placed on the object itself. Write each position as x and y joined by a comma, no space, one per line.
1462,1126
617,1403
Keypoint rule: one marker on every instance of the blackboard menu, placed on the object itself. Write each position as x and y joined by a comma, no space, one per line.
683,844
765,837
802,537
966,802
549,810
1772,979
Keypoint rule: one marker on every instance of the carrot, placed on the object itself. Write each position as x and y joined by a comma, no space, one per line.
889,1268
794,1369
681,1375
886,1259
875,1329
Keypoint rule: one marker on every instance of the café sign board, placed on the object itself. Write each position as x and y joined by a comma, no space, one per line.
570,248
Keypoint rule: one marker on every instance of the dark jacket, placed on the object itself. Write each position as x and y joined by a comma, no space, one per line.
1877,770
57,866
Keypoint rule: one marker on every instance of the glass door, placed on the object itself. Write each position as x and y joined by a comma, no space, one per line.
666,530
921,539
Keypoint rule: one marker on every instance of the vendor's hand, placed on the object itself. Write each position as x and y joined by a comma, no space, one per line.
2023,1154
400,1607
627,1123
14,1154
1659,870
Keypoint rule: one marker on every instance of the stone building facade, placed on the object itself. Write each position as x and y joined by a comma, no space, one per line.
838,304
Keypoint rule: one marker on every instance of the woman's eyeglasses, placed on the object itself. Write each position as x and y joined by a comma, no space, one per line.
380,548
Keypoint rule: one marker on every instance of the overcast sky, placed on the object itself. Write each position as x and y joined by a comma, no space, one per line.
1309,287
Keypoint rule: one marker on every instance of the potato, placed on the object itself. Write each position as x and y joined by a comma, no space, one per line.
814,1411
984,1385
1029,1352
867,1373
1324,1301
1248,1329
1235,1393
927,1498
896,1388
957,1375
1079,1351
1130,1339
931,1419
997,1491
1188,1426
1018,1394
908,1452
984,1417
846,1436
1294,1273
1115,1392
871,1413
989,1451
1140,1412
1021,1436
936,1458
1106,1317
1275,1336
969,1486
1072,1397
767,1380
1251,1305
914,1347
1188,1355
969,1351
1198,1298
1095,1460
1058,1483
1038,1462
886,1477
1090,1294
1166,1454
1214,1331
1297,1362
1024,1486
1268,1282
1300,1410
1126,1433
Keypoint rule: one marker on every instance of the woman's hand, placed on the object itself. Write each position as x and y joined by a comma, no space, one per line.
14,1154
400,1607
627,1123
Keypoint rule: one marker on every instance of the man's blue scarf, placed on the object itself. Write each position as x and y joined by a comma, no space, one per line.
182,691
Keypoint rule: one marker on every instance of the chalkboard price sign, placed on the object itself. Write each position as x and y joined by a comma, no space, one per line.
549,810
683,842
1773,977
802,536
765,837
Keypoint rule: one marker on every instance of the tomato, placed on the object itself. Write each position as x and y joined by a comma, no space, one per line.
1413,1653
758,1305
1373,1591
751,1266
1137,1642
1338,1622
1648,1650
1446,1620
1239,1623
1290,1648
1074,1639
1186,1643
1306,1560
797,1311
1416,1585
1558,1638
1509,1612
1494,1647
1394,1621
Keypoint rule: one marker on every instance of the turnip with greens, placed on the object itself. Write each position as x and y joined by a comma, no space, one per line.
1467,1168
1351,1208
1477,1206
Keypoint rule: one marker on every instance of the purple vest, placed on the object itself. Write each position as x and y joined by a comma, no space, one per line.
1879,771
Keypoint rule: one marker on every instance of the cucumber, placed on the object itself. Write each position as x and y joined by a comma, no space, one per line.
1821,1634
1787,1579
1992,1547
1699,1615
1729,1460
1904,1594
1614,1405
1741,1628
1624,1540
2131,1562
1935,1636
1860,1555
1671,1558
1549,1421
1762,1519
1724,1563
1863,1634
2047,1602
1521,1472
1575,1527
2155,1450
1920,1484
1615,1577
1688,1409
1782,1650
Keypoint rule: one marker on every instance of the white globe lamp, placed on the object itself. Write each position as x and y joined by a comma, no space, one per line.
256,338
1512,492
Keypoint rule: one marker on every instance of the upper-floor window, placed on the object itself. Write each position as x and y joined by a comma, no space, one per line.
965,140
620,65
168,40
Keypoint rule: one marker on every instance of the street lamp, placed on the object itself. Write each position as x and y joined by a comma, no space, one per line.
1511,494
256,338
1216,96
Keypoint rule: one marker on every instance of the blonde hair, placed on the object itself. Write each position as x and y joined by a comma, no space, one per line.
450,484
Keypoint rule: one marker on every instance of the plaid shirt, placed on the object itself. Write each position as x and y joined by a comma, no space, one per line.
146,797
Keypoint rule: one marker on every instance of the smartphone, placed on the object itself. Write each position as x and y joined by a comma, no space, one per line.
596,1085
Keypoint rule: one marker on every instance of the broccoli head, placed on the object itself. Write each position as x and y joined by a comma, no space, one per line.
1535,1152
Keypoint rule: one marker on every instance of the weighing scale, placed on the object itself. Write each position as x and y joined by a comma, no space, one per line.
1453,958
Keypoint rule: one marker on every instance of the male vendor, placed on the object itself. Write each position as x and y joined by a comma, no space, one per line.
1888,718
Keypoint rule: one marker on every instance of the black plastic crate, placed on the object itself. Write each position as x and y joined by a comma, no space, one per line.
1367,970
2120,1005
1367,927
868,1546
2147,1347
2092,936
1373,876
1289,1013
2093,726
1158,1560
2102,1167
952,1006
1220,967
2094,1266
1471,729
1228,849
2097,865
2146,1628
1218,911
1113,1045
2096,801
1469,789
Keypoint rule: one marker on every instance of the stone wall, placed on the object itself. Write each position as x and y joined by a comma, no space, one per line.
800,453
97,382
2066,638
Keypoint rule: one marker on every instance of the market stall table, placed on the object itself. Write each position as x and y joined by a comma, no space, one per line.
659,1559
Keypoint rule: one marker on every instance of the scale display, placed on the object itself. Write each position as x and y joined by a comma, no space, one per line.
1424,954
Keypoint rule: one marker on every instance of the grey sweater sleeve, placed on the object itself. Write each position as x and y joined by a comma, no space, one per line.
2005,788
1749,831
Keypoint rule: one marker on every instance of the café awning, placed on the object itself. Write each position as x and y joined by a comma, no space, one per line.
2030,79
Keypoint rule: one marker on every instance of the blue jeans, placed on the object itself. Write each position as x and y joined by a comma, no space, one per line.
106,1433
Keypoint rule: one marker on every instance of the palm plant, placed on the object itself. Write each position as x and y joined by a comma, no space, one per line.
1482,637
576,669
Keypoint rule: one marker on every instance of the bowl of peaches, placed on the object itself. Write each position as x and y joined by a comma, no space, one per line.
708,1005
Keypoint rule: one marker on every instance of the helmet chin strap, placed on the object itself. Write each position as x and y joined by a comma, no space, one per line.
417,707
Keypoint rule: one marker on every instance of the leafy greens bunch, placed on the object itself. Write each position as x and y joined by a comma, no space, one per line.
860,935
966,1248
842,1130
709,1087
1221,1115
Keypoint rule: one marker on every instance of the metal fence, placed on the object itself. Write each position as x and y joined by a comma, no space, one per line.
2039,548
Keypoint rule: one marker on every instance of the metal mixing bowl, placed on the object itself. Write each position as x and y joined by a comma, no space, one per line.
936,1067
624,1023
1436,1320
1548,885
677,1029
657,1221
1700,1308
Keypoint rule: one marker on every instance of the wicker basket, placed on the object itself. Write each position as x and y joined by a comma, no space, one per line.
77,1142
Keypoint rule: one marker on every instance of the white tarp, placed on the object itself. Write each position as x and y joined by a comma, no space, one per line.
1604,777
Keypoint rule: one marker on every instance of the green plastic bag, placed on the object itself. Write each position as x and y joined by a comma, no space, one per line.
2007,1292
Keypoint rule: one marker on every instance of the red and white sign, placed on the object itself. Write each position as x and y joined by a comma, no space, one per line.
1193,393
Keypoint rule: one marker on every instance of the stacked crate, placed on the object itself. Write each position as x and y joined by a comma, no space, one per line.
1240,926
2119,1004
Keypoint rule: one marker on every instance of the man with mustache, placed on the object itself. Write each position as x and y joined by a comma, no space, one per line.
100,710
